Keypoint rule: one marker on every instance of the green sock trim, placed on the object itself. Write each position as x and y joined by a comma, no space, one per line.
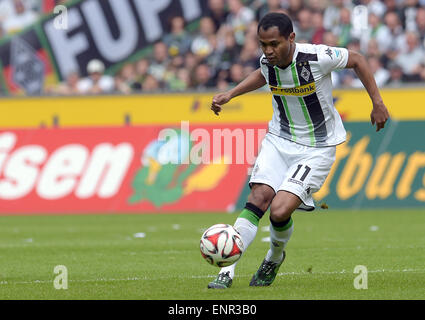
285,227
250,216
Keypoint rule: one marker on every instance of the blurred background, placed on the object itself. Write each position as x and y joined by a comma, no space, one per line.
212,45
88,84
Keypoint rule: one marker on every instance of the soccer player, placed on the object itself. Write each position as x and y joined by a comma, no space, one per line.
299,148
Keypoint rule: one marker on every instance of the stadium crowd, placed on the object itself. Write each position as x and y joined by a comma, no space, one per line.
224,48
16,15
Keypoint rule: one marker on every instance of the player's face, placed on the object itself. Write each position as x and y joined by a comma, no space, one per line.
275,46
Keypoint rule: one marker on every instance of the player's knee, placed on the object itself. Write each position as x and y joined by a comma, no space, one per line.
261,197
280,211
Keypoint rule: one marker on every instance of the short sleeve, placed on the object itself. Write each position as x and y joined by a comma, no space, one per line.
263,63
332,58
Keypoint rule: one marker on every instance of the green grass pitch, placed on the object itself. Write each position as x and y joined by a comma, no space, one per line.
105,260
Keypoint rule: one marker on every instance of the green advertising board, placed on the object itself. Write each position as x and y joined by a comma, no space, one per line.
384,169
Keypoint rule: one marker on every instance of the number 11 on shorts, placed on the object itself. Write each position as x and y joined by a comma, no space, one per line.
306,171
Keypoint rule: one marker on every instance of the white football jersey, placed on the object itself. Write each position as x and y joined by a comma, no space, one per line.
303,109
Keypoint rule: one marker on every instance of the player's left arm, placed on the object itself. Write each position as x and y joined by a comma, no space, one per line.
379,114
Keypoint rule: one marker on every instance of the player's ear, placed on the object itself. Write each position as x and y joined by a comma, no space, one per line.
291,37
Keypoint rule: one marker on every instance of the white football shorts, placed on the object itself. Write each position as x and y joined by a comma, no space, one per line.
289,166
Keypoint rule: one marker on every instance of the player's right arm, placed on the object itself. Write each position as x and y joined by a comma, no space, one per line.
254,81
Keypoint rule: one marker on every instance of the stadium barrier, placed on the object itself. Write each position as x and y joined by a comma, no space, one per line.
170,153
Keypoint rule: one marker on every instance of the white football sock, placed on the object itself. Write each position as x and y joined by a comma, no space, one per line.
248,231
278,242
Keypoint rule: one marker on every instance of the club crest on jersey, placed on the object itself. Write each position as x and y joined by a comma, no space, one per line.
299,91
305,74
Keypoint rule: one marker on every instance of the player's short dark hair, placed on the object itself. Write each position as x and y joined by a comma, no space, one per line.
275,19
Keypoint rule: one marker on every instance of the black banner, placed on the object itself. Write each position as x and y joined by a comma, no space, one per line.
109,30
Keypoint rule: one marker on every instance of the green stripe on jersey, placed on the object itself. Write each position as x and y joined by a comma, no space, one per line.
309,123
294,74
303,106
291,123
276,70
285,105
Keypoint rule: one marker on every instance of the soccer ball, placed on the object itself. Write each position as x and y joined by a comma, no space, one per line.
221,245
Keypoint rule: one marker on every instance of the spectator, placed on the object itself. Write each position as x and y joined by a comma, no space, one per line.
20,18
6,10
396,75
410,61
250,53
236,74
375,7
238,18
204,79
392,6
160,61
150,84
96,82
201,45
381,75
422,74
227,36
248,69
230,52
214,58
191,62
393,23
177,62
2,32
331,14
268,6
319,30
68,87
251,31
126,82
183,81
171,79
222,85
316,5
344,29
294,6
354,45
141,69
178,40
330,39
420,25
304,28
378,30
217,12
373,49
408,14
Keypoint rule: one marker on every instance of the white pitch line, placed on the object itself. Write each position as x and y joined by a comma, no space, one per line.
295,273
302,273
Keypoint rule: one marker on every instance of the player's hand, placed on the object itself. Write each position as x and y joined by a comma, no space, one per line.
218,100
379,115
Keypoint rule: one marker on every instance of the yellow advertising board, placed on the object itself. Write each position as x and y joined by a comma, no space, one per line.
353,105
